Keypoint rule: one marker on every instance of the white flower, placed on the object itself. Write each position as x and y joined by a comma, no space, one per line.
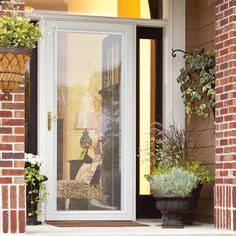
33,159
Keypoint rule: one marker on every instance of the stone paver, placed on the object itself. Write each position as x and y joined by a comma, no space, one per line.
153,230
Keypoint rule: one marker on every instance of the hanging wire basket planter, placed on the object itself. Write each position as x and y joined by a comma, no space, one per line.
13,63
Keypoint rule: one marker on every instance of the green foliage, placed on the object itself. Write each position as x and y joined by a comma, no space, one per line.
161,170
196,168
192,167
176,182
172,146
175,147
18,32
34,180
197,83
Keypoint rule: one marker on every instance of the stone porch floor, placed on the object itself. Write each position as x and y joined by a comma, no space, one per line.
153,230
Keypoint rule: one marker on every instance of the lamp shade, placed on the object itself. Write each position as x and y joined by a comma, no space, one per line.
86,120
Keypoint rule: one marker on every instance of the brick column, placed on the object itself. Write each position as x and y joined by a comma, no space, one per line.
12,137
225,44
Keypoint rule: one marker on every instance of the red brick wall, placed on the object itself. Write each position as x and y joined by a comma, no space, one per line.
225,43
12,188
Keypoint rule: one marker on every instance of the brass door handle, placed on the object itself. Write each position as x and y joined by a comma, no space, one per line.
49,120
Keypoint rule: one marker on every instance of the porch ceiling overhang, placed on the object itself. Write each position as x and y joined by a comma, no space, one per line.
39,15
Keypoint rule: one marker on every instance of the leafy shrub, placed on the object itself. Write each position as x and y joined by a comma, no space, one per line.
177,182
192,167
196,168
18,32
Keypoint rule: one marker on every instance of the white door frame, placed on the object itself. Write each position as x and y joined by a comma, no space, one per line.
173,26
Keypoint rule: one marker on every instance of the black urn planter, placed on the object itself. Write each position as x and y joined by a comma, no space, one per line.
188,215
171,206
31,204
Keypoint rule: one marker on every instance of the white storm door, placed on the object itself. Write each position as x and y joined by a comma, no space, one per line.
90,99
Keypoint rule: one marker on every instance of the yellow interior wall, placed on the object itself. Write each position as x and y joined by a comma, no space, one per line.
121,8
145,104
129,9
98,7
115,8
144,9
145,114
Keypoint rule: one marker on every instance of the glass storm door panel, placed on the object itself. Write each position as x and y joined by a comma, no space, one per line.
88,126
90,157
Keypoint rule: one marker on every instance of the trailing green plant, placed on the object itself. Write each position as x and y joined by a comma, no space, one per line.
34,181
18,32
197,83
177,182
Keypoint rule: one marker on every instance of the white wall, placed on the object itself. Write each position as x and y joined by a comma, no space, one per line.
174,38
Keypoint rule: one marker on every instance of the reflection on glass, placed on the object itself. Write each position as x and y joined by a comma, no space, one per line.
88,125
148,9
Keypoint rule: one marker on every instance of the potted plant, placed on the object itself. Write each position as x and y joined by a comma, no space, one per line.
197,83
173,190
35,187
18,37
176,147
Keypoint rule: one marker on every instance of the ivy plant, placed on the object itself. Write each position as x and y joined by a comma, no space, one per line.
197,83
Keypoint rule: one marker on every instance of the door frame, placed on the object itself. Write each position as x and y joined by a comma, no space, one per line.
173,25
127,165
145,204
